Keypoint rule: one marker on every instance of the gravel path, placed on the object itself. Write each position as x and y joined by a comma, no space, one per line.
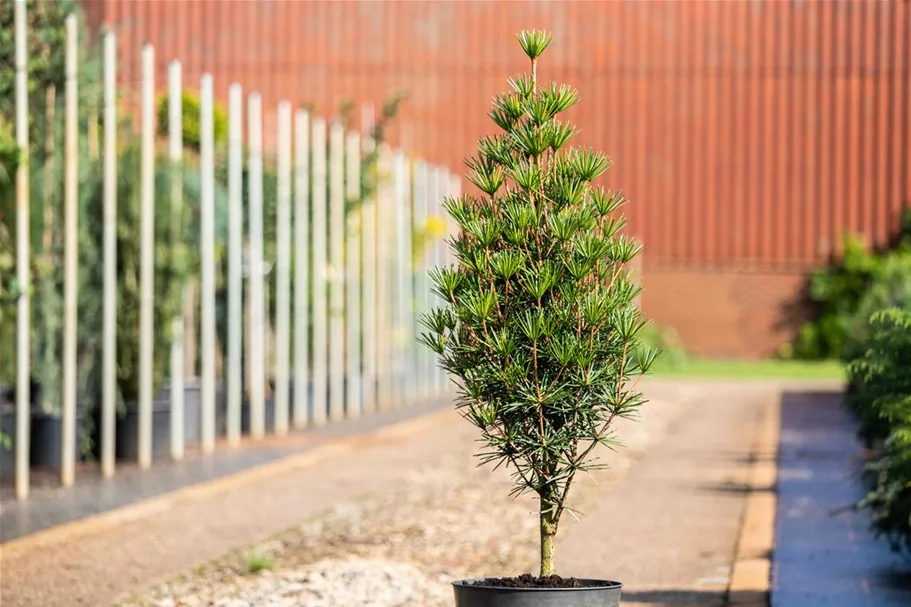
669,529
402,546
430,516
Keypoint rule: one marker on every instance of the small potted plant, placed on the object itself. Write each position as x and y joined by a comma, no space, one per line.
539,329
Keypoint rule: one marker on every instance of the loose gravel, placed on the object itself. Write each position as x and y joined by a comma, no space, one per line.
401,546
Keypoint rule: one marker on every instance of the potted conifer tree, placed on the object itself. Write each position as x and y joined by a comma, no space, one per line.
539,329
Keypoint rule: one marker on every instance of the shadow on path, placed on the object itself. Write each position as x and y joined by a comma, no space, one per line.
825,553
690,598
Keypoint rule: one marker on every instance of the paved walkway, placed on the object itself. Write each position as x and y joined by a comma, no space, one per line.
669,529
825,554
666,525
49,506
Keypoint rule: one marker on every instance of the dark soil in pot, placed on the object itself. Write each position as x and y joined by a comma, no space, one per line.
529,591
527,580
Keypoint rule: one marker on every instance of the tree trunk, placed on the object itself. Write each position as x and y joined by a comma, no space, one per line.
548,534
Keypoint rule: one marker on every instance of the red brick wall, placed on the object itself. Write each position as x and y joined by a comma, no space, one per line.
725,313
750,135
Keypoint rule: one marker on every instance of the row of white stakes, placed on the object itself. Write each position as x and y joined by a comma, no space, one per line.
372,344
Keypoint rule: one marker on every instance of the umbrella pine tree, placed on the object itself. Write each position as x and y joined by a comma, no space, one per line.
539,329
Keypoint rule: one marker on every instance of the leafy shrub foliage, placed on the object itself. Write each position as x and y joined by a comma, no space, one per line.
837,292
45,23
174,261
190,114
881,397
538,328
9,289
890,287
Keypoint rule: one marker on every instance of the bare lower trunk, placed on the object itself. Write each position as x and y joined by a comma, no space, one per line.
548,534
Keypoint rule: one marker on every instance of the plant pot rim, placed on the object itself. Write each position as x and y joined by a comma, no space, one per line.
37,411
159,405
603,585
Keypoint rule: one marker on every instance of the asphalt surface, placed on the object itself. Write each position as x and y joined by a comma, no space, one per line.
668,530
49,505
825,554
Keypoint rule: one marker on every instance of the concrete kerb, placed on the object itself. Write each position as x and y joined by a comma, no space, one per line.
751,573
73,530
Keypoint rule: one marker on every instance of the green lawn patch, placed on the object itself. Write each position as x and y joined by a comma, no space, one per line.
749,369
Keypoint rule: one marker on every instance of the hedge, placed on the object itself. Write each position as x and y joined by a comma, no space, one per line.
880,395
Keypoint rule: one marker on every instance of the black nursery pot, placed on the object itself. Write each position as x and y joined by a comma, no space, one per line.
592,593
46,448
45,432
127,426
269,408
8,456
268,412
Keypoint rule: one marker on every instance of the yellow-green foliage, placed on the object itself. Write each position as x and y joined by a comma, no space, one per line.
190,110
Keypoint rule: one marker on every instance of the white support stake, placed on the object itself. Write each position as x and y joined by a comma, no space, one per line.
442,193
320,336
437,193
432,300
146,256
70,255
410,306
175,154
177,400
427,260
23,254
283,269
109,313
235,263
256,269
403,292
369,317
336,272
455,190
301,267
445,192
427,295
207,259
421,352
385,218
353,403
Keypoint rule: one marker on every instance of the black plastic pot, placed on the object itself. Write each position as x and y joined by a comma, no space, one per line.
8,456
598,593
45,432
269,406
269,410
128,426
45,448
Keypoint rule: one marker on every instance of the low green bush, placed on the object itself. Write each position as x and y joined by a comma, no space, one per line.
174,262
839,295
880,395
190,114
9,161
890,287
665,341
